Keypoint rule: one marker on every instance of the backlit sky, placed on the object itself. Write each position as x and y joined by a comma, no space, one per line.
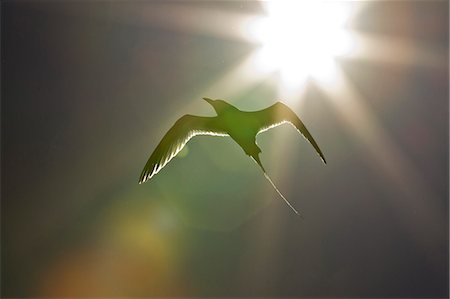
89,89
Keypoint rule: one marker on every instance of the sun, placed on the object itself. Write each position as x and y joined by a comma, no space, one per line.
300,39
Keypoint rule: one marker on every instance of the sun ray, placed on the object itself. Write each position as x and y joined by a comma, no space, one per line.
396,50
384,155
189,18
230,83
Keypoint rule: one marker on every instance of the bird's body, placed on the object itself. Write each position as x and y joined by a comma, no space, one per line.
241,126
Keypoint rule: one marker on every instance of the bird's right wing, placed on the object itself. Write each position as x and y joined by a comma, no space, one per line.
175,139
278,114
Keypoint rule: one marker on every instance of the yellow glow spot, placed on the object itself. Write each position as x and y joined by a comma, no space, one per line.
300,39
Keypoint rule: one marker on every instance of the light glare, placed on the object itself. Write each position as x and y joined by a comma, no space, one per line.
299,39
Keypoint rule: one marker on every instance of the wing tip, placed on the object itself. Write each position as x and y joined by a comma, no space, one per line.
143,178
146,175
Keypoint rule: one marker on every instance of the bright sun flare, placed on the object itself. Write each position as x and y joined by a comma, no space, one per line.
300,39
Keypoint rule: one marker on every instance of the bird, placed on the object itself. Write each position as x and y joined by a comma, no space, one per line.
241,126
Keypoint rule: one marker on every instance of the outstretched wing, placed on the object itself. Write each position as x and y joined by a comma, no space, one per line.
175,139
278,114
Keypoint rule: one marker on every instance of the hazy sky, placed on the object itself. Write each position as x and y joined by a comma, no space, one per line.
89,89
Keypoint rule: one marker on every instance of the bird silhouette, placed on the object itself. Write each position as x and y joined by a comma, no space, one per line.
241,126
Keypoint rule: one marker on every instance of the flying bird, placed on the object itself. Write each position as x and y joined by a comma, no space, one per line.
241,126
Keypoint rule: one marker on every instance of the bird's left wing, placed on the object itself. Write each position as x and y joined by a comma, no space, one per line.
278,114
175,139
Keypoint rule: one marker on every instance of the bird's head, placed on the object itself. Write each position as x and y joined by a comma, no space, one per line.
219,105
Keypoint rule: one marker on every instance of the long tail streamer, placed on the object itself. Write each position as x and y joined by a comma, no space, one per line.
281,195
275,187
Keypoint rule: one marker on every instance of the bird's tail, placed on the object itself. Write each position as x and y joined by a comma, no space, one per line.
258,161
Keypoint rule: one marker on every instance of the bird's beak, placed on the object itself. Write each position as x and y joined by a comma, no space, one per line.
209,100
